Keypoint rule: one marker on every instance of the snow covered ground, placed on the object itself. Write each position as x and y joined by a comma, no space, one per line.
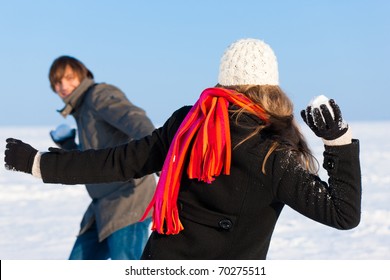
40,221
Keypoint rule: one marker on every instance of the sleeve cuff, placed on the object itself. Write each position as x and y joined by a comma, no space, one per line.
345,139
36,168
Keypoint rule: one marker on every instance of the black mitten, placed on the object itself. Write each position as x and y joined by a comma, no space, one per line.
325,125
19,156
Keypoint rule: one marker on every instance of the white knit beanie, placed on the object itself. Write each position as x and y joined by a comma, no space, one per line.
248,62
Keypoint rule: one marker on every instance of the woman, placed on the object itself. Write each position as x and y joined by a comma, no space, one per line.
229,164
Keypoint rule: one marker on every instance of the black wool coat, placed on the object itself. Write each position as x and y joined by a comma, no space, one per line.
234,217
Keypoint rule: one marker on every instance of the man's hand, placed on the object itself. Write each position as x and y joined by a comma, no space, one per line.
64,137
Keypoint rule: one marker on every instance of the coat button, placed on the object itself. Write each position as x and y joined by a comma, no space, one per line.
225,224
330,164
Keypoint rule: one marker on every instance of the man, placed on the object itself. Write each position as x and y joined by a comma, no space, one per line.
110,227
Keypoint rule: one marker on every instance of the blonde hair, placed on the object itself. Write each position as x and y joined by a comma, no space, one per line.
282,130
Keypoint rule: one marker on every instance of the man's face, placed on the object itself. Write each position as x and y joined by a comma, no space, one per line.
68,83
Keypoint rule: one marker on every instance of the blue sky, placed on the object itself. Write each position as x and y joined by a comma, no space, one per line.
162,54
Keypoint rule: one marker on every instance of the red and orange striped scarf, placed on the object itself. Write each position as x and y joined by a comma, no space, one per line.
207,126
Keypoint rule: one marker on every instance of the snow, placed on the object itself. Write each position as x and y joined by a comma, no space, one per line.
40,221
321,100
62,131
317,101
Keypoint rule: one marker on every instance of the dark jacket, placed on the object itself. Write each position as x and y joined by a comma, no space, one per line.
106,118
234,217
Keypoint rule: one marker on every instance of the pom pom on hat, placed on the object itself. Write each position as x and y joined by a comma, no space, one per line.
248,62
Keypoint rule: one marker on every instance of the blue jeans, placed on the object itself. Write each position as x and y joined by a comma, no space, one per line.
124,244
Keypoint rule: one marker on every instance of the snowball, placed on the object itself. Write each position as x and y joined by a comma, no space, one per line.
318,101
62,131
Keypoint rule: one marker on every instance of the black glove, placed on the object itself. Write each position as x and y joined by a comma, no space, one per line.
19,156
66,141
325,126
